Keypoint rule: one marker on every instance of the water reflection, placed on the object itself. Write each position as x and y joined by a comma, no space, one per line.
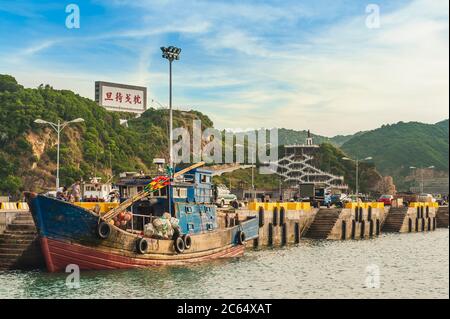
408,265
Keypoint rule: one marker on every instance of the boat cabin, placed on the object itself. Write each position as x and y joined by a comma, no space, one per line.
191,201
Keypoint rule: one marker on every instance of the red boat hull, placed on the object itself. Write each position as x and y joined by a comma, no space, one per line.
58,254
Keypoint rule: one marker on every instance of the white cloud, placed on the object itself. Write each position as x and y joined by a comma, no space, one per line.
351,78
249,65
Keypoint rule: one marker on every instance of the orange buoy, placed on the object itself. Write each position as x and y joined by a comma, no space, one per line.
127,217
121,215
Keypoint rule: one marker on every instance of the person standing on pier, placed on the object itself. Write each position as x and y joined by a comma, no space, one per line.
76,191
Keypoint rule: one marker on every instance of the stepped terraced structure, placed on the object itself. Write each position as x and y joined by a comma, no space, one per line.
299,166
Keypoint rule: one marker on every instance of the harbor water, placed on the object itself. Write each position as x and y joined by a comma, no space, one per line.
412,265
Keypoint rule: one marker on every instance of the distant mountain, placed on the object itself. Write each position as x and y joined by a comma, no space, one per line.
396,147
339,140
289,136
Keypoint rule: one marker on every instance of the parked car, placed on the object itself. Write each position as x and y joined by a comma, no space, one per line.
427,198
386,199
338,200
441,200
223,196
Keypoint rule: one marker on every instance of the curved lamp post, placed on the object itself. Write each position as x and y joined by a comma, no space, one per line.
58,127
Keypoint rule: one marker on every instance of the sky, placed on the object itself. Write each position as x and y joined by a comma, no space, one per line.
312,64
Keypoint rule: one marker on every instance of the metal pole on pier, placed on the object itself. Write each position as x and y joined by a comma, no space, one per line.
170,53
58,127
421,176
357,174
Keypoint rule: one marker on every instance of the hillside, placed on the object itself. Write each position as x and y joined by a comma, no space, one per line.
397,147
289,136
330,159
28,150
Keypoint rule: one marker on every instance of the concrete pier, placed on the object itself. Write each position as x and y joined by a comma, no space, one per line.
442,217
19,245
410,219
280,226
358,223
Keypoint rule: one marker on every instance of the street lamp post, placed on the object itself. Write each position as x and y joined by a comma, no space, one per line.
253,184
170,53
253,173
253,166
58,127
421,176
357,173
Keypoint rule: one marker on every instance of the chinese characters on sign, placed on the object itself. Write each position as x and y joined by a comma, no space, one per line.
136,99
120,97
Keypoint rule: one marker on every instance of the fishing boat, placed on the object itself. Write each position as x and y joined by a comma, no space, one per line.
71,234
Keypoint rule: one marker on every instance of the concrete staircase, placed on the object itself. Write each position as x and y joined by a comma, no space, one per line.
442,217
323,223
19,246
394,220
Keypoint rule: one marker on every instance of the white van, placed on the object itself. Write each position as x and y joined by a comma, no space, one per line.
223,195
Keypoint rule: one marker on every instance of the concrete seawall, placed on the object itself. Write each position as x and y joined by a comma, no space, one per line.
19,244
410,219
324,223
442,217
358,223
280,227
7,216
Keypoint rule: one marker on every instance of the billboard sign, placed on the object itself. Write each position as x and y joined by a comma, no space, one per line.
121,97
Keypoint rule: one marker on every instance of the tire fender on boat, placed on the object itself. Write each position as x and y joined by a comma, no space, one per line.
179,244
141,245
187,241
241,237
103,230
